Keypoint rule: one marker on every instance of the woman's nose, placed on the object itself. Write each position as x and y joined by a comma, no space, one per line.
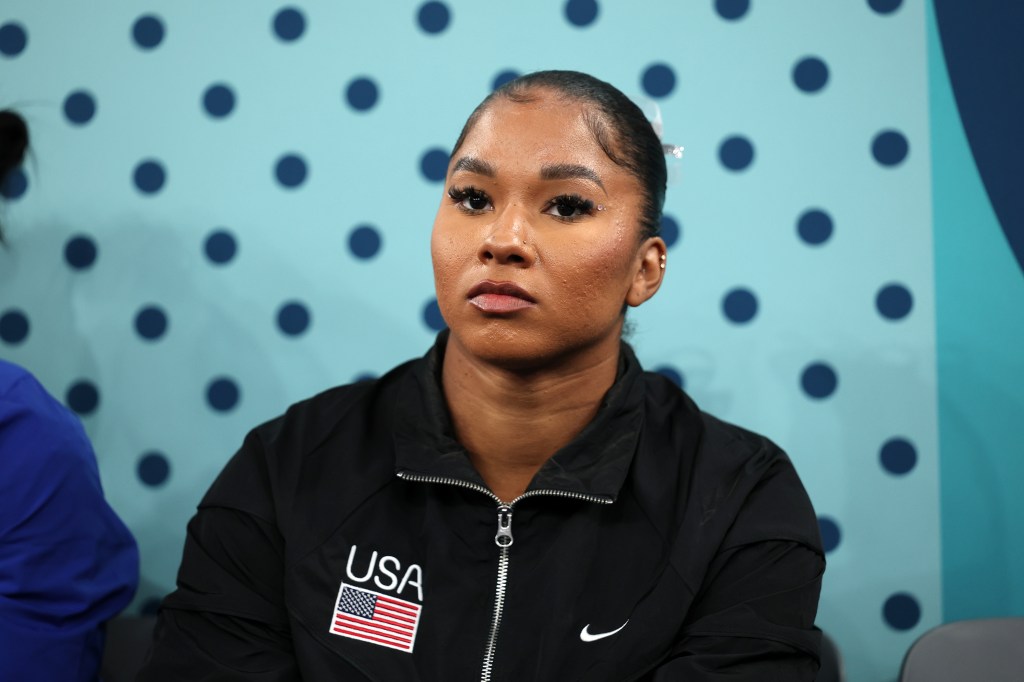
506,241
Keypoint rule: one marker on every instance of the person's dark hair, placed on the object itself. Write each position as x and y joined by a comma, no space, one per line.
13,144
618,125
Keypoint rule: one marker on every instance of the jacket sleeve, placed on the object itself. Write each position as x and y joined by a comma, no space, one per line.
753,616
227,619
67,562
755,621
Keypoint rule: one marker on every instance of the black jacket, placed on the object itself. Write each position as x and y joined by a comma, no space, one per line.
351,539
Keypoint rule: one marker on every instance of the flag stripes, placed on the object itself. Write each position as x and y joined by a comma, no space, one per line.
374,617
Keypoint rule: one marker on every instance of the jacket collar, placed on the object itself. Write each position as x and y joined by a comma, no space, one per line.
595,463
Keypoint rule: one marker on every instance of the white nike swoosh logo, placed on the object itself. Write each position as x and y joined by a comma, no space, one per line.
587,637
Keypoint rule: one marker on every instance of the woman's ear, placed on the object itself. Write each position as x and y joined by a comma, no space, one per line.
650,271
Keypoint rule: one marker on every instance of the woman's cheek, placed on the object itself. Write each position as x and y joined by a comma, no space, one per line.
445,256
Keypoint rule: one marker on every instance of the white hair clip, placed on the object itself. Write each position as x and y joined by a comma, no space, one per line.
673,150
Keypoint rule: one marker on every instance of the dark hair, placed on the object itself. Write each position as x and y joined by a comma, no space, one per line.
618,125
13,144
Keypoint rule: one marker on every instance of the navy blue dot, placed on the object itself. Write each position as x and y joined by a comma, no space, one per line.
80,252
222,394
361,94
291,170
890,148
503,77
901,611
894,301
151,322
150,607
672,374
148,31
83,397
819,380
153,469
581,12
810,74
433,17
14,326
149,176
14,185
432,315
885,6
364,242
293,318
830,533
13,39
736,153
220,247
434,164
898,456
814,226
658,80
732,9
670,230
79,107
740,305
219,100
364,376
289,24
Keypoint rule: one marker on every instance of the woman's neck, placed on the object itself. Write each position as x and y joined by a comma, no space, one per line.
512,421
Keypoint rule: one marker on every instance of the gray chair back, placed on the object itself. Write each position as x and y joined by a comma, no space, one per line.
989,649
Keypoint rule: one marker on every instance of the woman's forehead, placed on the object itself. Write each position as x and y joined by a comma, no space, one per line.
532,119
548,127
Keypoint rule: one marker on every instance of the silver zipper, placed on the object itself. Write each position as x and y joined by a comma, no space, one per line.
563,493
420,478
499,607
503,539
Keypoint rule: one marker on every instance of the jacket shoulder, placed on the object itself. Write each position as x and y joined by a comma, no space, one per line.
732,483
333,413
329,451
38,431
772,503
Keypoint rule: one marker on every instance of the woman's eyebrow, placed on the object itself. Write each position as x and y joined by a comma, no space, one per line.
558,171
472,164
567,171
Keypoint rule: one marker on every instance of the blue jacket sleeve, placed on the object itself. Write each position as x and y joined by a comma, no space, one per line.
67,562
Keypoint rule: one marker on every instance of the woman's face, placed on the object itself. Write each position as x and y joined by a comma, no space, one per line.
536,243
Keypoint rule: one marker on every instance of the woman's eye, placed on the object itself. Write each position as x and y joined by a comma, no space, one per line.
476,201
570,206
469,199
566,210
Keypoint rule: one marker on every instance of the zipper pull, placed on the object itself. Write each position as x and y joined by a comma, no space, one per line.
504,536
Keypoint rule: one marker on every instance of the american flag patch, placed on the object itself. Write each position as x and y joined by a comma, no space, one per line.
375,617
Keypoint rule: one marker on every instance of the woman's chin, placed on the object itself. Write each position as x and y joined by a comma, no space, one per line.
521,348
504,345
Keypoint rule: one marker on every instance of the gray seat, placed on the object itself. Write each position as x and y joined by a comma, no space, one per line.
989,649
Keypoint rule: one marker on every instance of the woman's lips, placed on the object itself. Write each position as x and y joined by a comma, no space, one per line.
500,297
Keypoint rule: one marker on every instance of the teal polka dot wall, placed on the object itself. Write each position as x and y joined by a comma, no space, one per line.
228,209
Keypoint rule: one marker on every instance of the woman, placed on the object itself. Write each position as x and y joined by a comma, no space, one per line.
524,503
67,562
